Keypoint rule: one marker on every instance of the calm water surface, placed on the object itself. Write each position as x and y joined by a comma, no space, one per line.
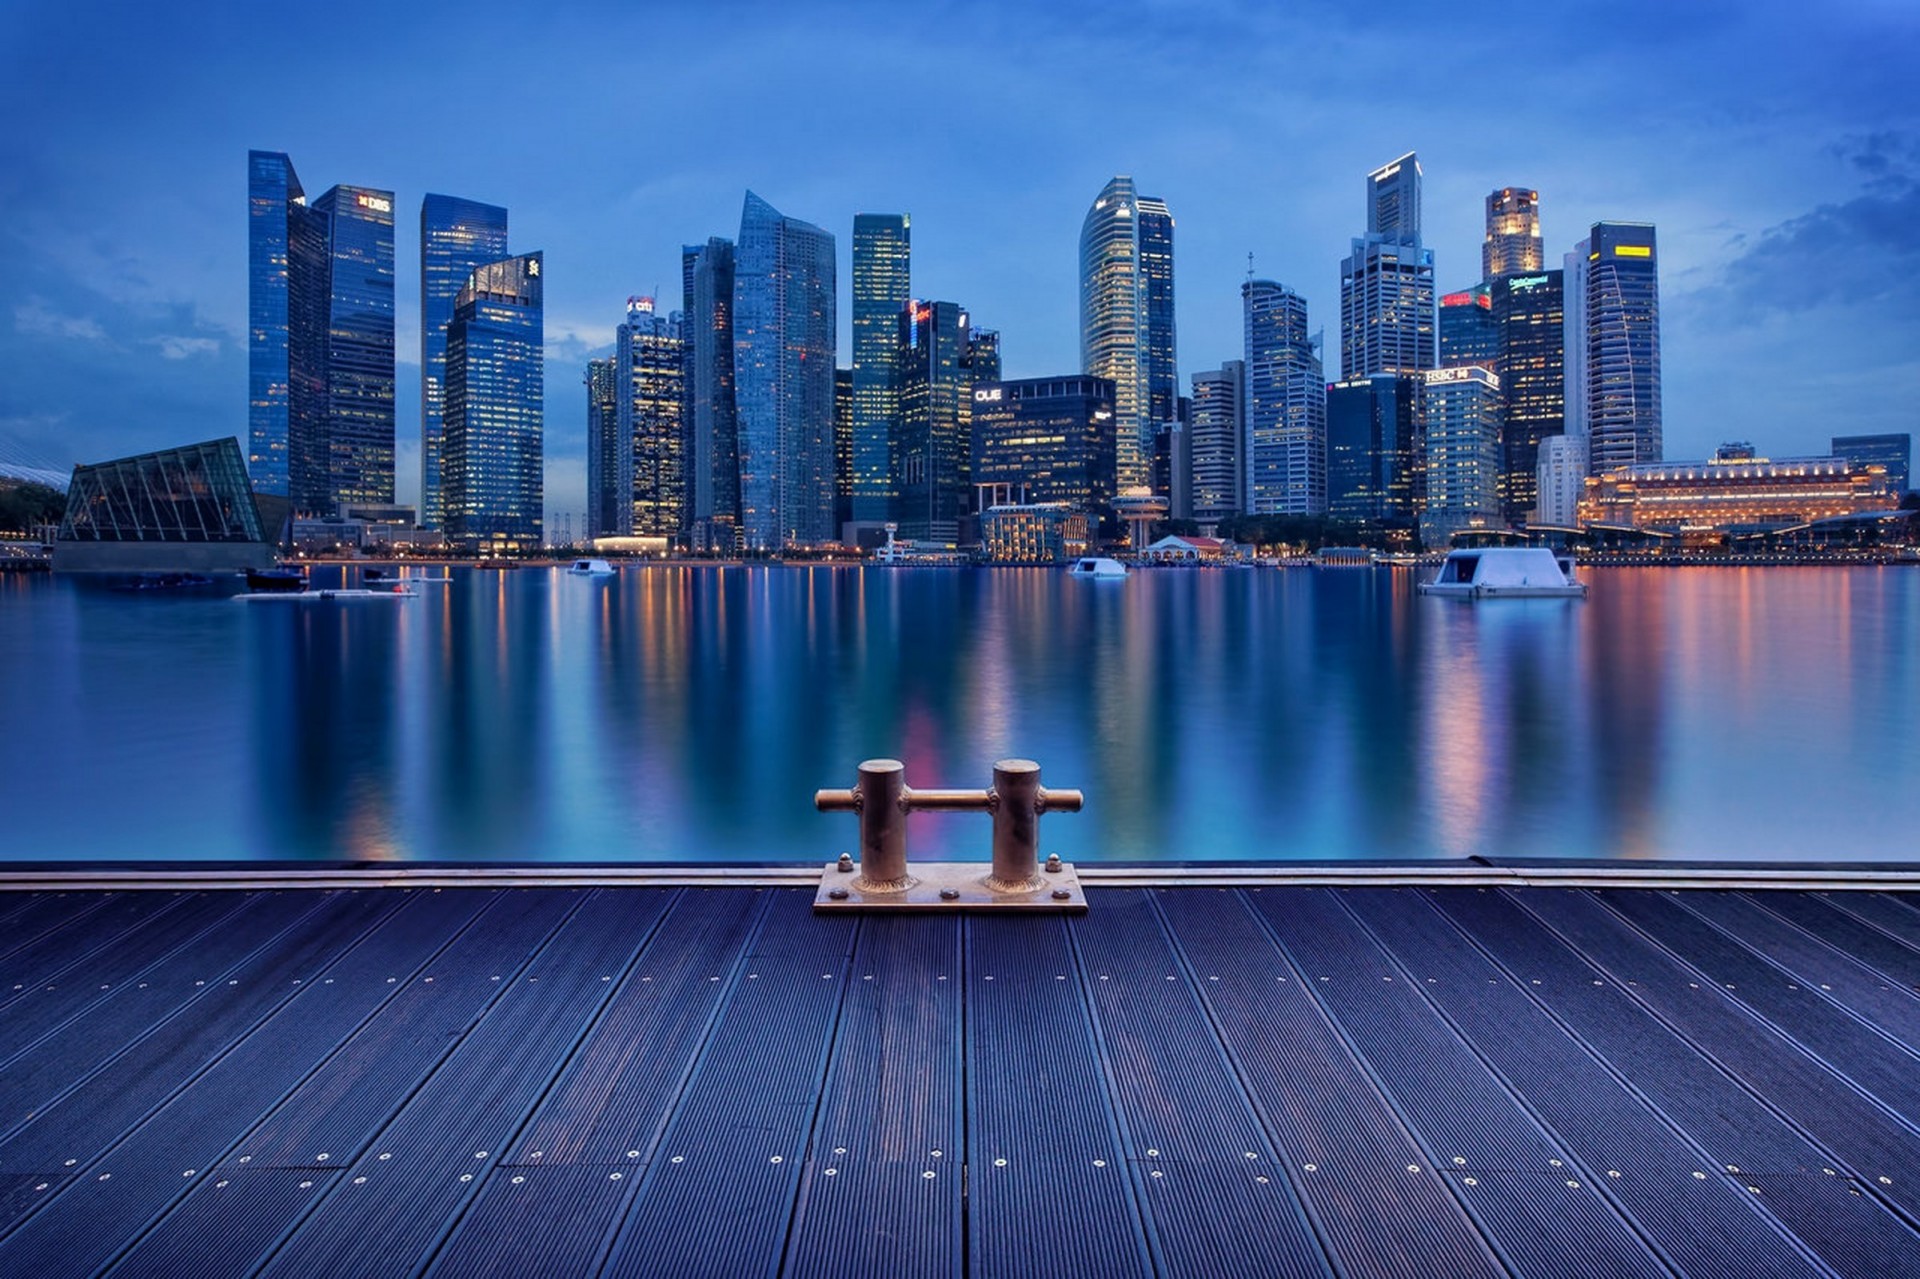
688,714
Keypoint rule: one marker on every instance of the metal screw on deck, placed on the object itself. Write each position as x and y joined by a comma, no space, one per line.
1014,880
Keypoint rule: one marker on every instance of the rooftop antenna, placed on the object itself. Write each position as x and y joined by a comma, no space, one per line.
1249,266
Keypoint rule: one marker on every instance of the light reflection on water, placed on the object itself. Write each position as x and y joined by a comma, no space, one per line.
688,714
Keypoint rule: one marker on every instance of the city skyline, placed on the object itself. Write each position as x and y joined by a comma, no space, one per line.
1775,225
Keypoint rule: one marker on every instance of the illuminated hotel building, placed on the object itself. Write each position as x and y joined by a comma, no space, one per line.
456,236
1046,439
1732,490
1219,415
1461,431
783,363
1512,245
1126,315
1469,334
1284,466
1622,346
1527,310
1033,533
1892,453
1373,449
491,462
649,356
603,450
1387,313
882,260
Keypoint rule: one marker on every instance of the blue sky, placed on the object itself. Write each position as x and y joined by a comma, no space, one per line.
1776,147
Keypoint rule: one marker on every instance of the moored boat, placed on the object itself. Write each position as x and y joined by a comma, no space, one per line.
1516,572
590,568
1097,566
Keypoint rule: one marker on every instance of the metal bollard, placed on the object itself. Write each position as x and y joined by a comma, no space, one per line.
880,797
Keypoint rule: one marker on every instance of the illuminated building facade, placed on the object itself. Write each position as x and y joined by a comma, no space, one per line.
1732,490
180,510
1573,338
1047,440
1387,299
1218,424
882,262
1033,533
1622,319
1528,310
1512,244
491,462
274,200
708,331
1460,430
842,449
1892,453
783,357
1126,315
935,435
1285,462
1373,449
650,368
1469,333
603,450
456,236
1560,473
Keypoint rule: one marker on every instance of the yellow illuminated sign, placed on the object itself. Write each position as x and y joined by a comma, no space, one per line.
1633,250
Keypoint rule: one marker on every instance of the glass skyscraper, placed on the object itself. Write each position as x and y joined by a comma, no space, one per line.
650,369
1373,449
1512,243
937,376
708,330
783,344
1046,440
456,236
1528,309
1219,410
1893,452
882,262
842,448
1623,346
603,450
1461,437
1387,319
1285,461
1469,333
491,459
273,192
1126,315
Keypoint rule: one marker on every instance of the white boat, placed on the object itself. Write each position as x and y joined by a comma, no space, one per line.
591,568
342,595
1518,572
1096,566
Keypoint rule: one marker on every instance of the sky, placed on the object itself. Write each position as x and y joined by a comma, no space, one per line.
1775,146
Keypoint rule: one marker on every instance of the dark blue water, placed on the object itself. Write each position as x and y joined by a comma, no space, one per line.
688,714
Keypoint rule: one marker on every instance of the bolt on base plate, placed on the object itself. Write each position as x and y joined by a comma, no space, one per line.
952,886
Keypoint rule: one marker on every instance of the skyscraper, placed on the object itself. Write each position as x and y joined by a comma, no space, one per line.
1461,435
491,459
456,236
320,342
1528,310
1623,346
1387,320
1892,452
1046,440
842,449
882,262
1468,331
1284,459
1219,406
783,341
1573,339
1373,449
1512,244
716,434
603,450
936,399
1126,315
650,368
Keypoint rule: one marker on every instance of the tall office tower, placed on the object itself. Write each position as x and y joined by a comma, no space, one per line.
1387,320
1560,476
604,501
882,262
650,358
491,457
1529,311
936,385
689,260
716,423
1623,346
1460,414
983,355
1126,314
842,452
1373,449
1512,246
273,196
1219,407
1468,332
340,352
1046,439
1573,338
1894,453
456,236
783,352
1284,460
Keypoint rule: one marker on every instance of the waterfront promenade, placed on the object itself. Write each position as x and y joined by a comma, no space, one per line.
1456,1073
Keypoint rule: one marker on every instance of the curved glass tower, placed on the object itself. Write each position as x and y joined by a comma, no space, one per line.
1114,322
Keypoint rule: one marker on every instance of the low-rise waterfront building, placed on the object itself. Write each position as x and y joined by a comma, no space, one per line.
181,510
1732,490
1034,533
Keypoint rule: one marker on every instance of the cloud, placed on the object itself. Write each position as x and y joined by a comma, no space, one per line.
34,316
183,348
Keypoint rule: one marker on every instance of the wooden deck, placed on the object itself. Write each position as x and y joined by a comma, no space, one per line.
1270,1080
